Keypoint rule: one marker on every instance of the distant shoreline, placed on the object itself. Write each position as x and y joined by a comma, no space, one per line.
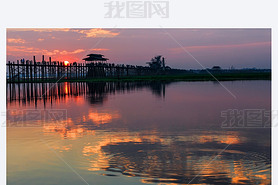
168,77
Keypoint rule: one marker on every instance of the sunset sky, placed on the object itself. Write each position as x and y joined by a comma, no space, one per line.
241,48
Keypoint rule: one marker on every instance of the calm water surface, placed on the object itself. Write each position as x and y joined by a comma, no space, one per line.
135,133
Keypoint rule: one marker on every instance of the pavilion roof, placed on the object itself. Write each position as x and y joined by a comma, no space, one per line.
95,57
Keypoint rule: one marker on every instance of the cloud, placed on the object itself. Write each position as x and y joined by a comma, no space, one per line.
55,33
88,33
98,32
17,41
40,39
38,29
99,49
64,52
23,50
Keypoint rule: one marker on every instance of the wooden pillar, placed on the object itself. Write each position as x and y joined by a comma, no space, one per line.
31,71
23,70
81,70
9,70
35,69
44,70
67,71
76,70
39,69
58,70
18,73
70,70
27,70
49,68
13,70
61,69
42,67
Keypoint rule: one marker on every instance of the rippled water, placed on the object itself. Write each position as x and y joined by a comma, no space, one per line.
137,133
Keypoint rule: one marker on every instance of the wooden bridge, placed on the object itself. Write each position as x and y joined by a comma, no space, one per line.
33,71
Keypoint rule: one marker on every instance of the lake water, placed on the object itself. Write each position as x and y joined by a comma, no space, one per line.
139,133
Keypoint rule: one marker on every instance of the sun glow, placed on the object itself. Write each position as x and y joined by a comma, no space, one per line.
66,63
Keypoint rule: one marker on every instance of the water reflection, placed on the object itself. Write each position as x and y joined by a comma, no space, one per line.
66,129
96,92
118,130
179,159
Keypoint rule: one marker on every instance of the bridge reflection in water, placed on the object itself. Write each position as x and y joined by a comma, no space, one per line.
97,92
